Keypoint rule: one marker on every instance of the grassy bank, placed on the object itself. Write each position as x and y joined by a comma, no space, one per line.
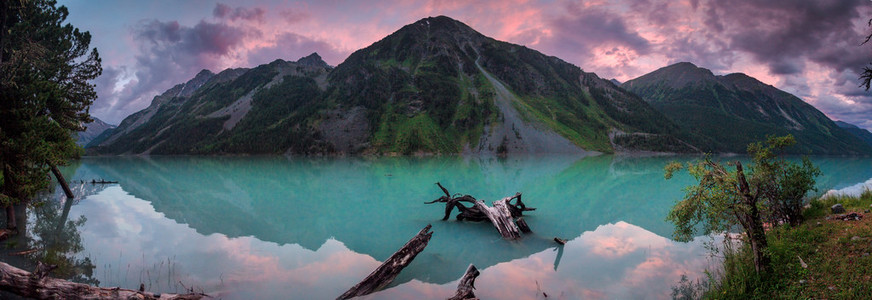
837,255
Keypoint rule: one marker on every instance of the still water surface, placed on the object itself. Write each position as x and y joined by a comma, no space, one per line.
310,228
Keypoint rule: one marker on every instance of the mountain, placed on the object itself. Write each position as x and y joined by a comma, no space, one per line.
433,86
727,112
93,130
861,133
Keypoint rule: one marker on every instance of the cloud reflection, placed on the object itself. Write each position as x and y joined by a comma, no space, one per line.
617,260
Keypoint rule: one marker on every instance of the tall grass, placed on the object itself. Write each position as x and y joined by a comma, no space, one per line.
818,259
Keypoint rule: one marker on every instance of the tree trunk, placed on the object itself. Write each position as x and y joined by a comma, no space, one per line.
754,226
37,286
466,285
500,216
390,268
10,218
503,215
62,181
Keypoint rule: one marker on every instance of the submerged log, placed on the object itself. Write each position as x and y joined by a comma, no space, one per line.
502,215
523,225
102,181
467,285
37,286
387,271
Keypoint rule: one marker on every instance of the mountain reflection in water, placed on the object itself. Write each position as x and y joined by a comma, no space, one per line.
269,227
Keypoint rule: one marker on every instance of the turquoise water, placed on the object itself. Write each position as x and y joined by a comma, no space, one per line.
310,228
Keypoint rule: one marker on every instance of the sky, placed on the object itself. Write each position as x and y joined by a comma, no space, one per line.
810,48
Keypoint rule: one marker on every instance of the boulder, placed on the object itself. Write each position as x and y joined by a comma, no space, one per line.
838,209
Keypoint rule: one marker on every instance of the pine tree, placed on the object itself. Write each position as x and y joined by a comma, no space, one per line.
45,92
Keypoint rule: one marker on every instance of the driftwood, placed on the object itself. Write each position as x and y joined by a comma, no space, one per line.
503,215
467,285
37,285
387,271
101,181
500,216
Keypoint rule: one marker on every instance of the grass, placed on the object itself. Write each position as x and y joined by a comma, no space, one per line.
838,255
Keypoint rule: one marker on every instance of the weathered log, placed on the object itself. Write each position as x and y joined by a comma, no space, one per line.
62,181
466,285
23,252
444,190
36,285
519,207
390,268
500,216
523,225
102,181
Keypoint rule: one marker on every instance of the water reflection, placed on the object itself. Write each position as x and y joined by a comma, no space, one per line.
50,235
268,227
614,261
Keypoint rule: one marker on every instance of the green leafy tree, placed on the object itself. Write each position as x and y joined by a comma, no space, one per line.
45,92
783,184
724,199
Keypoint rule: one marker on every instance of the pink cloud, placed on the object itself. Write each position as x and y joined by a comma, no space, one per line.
615,39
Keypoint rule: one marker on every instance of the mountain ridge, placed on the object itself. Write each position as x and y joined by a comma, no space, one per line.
861,133
433,86
92,131
753,109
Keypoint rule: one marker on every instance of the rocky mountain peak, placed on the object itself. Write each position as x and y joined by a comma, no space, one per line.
313,60
195,83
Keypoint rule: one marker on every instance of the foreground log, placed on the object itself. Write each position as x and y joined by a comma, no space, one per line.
500,216
37,286
466,285
387,271
503,215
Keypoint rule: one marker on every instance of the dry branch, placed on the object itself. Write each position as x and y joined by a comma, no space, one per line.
467,285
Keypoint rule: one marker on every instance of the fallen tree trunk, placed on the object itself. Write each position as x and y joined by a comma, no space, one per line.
503,215
390,268
500,216
37,286
467,285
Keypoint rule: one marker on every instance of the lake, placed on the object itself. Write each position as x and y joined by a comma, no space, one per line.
310,228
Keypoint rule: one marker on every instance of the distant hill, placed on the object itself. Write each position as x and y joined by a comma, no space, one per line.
861,133
725,113
434,86
93,130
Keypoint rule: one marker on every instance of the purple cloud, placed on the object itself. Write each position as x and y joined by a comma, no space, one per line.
224,11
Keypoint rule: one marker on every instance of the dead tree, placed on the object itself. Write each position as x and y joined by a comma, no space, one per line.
503,215
466,285
387,271
37,285
62,181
